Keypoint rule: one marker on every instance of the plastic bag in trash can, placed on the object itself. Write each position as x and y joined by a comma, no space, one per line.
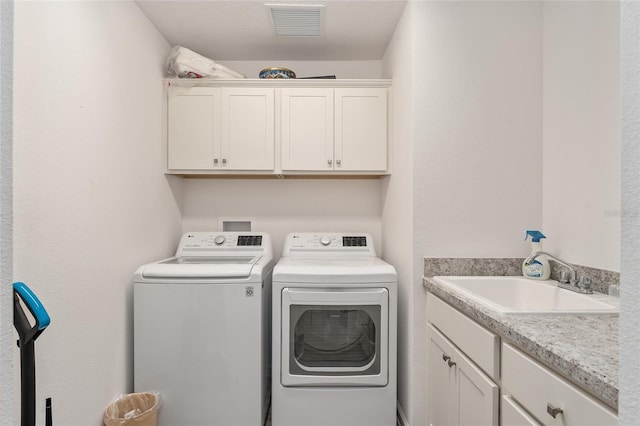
139,409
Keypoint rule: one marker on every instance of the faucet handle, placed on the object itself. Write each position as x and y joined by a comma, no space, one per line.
564,277
584,282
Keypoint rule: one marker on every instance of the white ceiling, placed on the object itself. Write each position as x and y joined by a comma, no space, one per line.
243,29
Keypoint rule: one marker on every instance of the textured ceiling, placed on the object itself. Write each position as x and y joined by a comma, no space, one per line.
243,30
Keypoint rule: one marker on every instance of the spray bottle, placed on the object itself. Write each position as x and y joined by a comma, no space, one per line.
539,269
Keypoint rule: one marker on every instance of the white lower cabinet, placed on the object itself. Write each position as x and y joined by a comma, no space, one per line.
440,390
459,392
548,397
468,369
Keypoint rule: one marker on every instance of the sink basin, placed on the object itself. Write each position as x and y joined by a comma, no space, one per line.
519,295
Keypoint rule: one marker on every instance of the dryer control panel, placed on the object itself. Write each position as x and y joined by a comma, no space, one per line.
314,243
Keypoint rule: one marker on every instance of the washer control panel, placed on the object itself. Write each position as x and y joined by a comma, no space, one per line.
218,242
329,242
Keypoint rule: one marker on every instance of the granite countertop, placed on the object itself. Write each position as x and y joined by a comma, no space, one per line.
581,348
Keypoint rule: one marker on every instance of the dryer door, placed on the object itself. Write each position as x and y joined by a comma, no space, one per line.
335,337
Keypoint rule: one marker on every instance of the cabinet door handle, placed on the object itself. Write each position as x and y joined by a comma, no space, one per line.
338,162
215,161
224,161
451,363
445,358
553,410
329,162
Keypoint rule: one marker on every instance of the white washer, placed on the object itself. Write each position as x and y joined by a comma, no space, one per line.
202,330
334,333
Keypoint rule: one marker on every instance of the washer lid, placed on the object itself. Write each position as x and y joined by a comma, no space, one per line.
339,270
201,267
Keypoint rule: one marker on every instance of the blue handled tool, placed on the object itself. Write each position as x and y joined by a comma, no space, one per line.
27,334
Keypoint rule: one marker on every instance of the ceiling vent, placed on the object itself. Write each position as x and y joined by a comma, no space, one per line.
296,20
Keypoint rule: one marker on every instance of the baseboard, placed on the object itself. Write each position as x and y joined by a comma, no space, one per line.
401,419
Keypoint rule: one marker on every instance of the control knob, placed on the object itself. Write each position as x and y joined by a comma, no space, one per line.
219,240
325,240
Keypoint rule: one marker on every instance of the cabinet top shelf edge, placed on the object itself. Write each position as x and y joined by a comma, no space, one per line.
302,82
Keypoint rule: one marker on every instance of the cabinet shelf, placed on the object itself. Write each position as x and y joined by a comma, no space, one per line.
227,175
275,82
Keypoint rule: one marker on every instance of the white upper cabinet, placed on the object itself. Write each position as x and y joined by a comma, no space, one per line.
212,128
247,129
307,129
193,139
340,130
361,129
290,127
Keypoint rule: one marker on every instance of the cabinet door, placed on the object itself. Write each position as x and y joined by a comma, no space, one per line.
440,395
478,396
458,392
361,129
247,141
193,131
307,129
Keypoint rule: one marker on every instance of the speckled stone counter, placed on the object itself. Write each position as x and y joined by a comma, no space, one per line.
581,348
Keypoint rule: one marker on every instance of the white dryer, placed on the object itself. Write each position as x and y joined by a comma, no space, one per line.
334,333
202,330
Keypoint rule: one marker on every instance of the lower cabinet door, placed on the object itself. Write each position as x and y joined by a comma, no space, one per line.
440,379
459,392
478,396
514,415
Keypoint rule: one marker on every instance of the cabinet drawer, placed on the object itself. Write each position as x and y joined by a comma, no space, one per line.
535,387
514,415
478,343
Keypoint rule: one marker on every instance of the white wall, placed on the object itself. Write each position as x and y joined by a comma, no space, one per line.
496,117
282,206
478,127
91,202
477,142
7,342
581,137
397,215
630,271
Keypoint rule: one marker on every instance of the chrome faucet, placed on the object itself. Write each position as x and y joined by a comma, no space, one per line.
572,283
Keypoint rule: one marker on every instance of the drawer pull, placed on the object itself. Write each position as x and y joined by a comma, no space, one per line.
553,410
451,363
445,358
